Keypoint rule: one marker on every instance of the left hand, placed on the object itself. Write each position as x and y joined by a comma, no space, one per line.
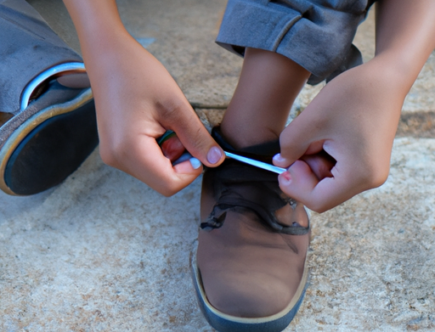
340,145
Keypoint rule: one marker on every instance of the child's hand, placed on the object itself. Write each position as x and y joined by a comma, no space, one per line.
137,101
354,120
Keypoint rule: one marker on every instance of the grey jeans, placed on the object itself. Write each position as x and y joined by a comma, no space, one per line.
316,34
28,46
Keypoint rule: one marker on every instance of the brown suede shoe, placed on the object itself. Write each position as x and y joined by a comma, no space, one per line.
249,272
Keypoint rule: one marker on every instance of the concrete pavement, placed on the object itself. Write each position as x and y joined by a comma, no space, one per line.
103,252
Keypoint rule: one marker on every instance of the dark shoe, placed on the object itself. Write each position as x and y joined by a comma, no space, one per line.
249,271
43,144
47,128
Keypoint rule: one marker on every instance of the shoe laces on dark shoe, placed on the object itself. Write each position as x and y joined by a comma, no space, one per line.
240,187
253,239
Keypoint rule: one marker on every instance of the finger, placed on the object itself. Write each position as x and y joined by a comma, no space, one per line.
193,135
295,141
320,163
145,161
282,161
300,183
172,148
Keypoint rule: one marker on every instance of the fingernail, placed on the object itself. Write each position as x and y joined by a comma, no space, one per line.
214,155
195,163
278,158
286,175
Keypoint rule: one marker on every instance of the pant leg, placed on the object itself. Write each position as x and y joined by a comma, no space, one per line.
28,46
316,34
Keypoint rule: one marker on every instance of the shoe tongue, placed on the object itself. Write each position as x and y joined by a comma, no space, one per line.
264,151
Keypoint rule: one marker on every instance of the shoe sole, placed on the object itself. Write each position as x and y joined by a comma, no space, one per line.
48,146
227,323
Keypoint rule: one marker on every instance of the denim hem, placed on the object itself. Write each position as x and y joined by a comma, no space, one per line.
28,47
316,37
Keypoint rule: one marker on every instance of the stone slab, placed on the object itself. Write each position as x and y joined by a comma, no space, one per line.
103,252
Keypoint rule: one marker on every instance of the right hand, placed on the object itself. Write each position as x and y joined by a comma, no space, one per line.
137,101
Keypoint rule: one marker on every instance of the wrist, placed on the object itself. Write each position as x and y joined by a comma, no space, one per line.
392,73
98,24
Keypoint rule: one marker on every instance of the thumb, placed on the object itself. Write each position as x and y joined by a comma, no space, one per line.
195,137
295,141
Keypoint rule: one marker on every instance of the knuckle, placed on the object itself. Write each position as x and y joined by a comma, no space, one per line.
196,137
107,155
374,175
171,109
181,118
287,145
378,178
318,207
169,189
202,144
167,192
284,141
112,151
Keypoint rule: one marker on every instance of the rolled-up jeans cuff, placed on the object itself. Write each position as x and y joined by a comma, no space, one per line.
317,38
28,46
